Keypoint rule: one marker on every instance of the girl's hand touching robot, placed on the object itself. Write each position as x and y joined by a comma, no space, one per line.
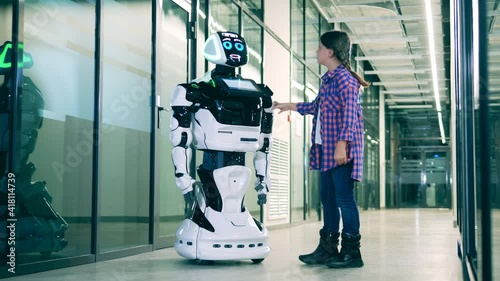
284,106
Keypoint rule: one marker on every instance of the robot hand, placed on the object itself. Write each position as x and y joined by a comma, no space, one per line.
262,189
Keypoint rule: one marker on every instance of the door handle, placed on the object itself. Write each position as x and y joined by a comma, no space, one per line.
159,108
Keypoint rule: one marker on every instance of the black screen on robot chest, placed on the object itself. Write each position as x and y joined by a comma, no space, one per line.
244,111
238,102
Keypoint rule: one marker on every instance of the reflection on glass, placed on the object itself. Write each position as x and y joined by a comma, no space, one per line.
297,27
368,192
313,201
223,16
255,6
297,138
312,35
252,33
53,188
125,128
173,69
494,150
252,70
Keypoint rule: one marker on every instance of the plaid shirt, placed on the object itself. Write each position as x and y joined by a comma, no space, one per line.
341,119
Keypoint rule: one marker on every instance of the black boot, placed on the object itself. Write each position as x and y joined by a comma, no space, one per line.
327,249
349,255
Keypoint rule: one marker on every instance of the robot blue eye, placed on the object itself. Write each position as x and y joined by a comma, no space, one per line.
239,46
227,45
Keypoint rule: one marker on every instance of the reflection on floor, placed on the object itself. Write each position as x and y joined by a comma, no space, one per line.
405,244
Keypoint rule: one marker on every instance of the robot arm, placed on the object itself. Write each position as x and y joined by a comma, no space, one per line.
262,157
181,137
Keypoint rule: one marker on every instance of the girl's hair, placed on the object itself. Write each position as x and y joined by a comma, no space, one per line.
339,42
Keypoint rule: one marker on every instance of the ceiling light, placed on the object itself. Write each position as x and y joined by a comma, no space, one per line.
389,57
410,106
422,99
405,91
432,49
377,18
384,39
399,83
396,71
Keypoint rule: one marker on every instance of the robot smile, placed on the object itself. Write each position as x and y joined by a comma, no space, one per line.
235,57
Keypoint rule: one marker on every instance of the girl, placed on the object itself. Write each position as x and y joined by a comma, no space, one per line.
337,151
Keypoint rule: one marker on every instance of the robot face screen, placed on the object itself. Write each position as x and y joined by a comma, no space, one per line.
226,48
235,48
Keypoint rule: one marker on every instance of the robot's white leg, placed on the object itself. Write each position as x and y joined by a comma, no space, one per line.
224,230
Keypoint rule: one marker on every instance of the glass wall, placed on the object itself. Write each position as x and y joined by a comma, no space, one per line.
368,191
297,146
52,183
488,64
298,186
313,200
83,82
255,6
313,30
172,69
252,33
126,124
297,41
223,16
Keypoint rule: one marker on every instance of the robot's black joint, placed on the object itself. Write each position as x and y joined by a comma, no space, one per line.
178,175
261,178
265,146
267,123
267,102
183,115
184,139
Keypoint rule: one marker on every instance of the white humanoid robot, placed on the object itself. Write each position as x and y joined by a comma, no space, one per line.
225,116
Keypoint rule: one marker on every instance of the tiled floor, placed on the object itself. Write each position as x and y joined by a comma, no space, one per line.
400,245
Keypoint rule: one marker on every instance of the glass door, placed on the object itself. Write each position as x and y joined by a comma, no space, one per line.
172,69
423,181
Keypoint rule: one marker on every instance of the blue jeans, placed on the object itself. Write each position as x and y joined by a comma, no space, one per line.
337,196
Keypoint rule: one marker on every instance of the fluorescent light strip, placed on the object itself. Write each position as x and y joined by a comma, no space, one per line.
405,91
421,99
399,83
389,57
396,71
430,31
410,106
383,39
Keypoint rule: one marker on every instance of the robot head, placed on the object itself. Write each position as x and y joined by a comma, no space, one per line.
226,48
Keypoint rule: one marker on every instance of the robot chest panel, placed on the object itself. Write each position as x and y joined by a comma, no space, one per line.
238,111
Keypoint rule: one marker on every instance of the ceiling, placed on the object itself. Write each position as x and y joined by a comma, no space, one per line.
393,36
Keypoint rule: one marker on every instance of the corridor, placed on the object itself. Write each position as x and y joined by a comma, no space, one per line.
400,245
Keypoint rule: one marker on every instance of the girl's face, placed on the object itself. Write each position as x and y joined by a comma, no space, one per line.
323,54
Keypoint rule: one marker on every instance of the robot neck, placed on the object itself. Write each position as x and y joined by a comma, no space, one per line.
222,70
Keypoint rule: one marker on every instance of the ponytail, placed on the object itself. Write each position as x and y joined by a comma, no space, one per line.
361,80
